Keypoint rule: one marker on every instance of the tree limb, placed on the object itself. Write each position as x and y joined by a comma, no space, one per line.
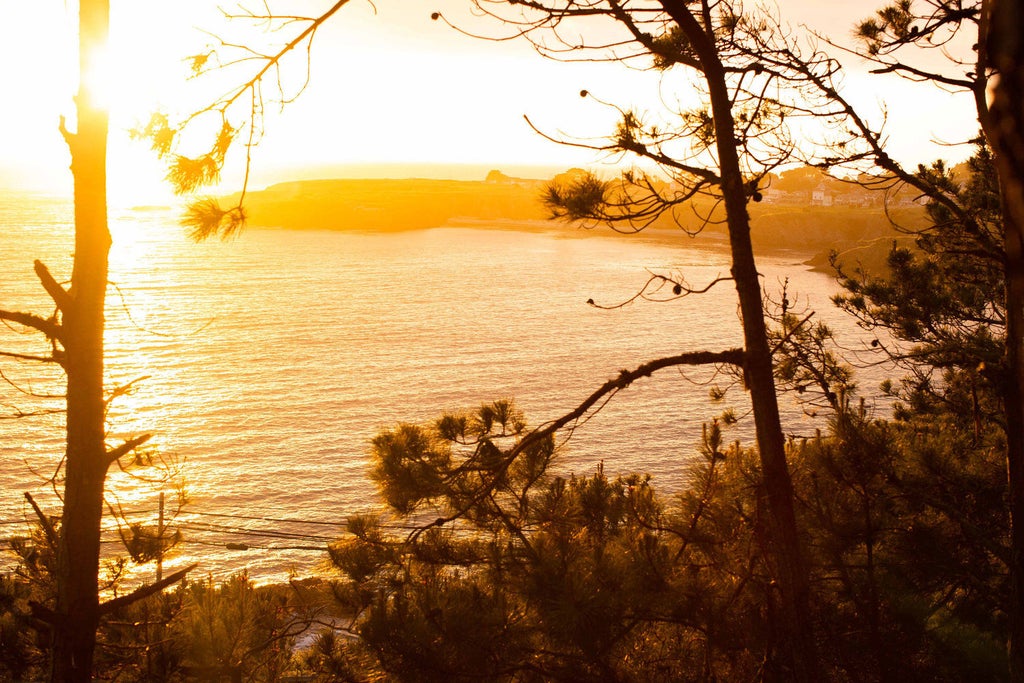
25,356
924,75
59,295
624,379
51,534
114,454
273,60
627,377
47,326
145,591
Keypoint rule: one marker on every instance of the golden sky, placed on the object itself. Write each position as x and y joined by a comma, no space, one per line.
391,93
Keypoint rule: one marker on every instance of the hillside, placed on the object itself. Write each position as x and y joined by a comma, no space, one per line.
392,205
836,215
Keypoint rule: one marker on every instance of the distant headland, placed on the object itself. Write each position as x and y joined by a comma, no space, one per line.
801,209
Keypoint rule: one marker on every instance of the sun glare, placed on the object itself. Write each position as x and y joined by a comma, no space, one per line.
120,83
98,81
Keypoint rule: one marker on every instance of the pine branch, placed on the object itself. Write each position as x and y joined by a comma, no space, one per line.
734,357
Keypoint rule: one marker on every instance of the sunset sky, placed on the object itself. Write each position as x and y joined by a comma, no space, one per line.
392,93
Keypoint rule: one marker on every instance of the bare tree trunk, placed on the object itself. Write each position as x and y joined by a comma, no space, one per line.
1006,51
1015,438
799,648
83,322
790,570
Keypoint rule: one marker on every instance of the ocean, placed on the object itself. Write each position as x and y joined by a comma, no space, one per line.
263,366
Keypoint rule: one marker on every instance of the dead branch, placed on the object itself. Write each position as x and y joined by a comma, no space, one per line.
59,295
680,289
45,325
145,591
55,358
44,521
115,454
124,389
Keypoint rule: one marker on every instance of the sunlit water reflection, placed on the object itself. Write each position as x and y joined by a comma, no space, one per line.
271,361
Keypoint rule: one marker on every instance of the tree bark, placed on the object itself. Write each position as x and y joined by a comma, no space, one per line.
799,659
1015,439
800,648
1006,135
77,608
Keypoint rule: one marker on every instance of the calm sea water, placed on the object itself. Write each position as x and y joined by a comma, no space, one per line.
269,362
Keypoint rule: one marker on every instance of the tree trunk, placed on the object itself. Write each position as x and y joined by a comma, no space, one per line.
83,322
799,649
1015,439
1006,51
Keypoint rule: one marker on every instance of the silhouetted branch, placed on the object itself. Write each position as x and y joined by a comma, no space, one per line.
115,454
145,591
59,295
680,289
625,378
923,76
272,60
44,521
19,414
28,392
45,325
31,357
124,389
877,153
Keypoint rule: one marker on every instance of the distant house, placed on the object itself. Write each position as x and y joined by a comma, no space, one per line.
821,196
860,199
802,197
770,195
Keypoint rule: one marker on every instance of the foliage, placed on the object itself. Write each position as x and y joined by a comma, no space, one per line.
236,624
555,578
910,534
942,302
598,578
339,658
805,358
582,197
198,629
22,647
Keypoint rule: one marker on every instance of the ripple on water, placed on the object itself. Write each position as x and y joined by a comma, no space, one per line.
272,360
